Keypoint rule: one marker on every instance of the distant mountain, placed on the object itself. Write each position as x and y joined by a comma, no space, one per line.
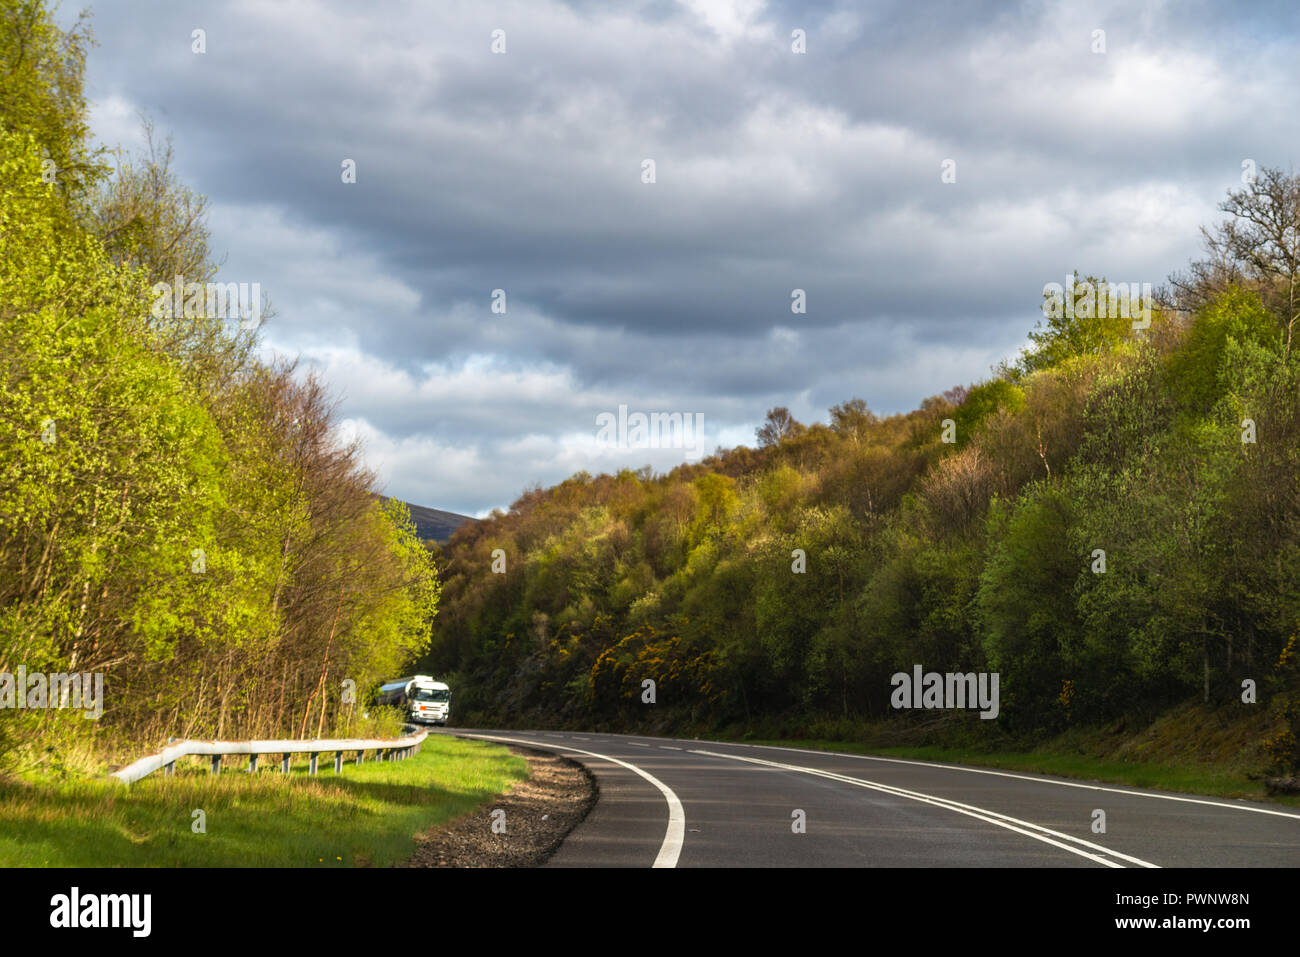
436,524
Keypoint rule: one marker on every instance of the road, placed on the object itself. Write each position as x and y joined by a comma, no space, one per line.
667,802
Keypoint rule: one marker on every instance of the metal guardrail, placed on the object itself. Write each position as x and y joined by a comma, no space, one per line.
387,749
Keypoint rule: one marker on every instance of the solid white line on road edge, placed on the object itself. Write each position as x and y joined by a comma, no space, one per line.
992,817
671,848
1021,777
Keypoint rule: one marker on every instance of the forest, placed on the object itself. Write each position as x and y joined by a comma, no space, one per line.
177,513
1110,523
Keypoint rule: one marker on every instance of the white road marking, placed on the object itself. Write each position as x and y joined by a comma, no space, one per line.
1024,777
992,817
638,744
669,747
1040,779
671,848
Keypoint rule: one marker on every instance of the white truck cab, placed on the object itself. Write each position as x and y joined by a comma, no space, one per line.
428,701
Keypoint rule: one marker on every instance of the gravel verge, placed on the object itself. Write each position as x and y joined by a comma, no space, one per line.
538,814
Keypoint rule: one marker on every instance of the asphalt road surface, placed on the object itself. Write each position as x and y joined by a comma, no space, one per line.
667,802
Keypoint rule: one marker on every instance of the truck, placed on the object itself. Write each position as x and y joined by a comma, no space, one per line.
425,700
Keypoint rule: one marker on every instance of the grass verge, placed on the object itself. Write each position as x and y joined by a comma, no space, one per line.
367,816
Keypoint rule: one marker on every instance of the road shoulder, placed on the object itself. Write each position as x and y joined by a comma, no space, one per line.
535,817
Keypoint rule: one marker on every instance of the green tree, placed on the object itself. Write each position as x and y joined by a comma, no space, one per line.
41,93
1090,325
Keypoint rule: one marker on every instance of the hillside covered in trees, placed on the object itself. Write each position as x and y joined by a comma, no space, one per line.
176,514
1113,526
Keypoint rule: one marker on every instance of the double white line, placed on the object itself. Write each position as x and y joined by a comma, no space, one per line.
1076,845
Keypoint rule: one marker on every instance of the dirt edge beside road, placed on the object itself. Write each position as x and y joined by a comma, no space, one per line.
539,814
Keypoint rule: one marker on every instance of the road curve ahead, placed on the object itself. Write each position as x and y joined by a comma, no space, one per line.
667,802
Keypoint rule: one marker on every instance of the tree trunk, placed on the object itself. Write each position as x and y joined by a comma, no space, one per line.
324,669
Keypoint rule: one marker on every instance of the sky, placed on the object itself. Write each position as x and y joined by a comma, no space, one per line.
920,172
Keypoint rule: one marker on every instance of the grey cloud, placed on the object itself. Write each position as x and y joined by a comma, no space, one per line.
775,171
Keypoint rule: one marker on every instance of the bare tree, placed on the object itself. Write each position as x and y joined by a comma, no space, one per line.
1259,247
780,424
146,217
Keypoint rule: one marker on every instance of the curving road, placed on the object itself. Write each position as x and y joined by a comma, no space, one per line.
667,802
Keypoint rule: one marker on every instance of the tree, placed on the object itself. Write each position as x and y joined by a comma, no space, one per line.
982,401
1199,369
852,419
1258,247
1093,324
41,91
1025,603
146,217
780,424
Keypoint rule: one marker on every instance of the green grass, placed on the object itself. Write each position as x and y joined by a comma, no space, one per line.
1195,779
367,816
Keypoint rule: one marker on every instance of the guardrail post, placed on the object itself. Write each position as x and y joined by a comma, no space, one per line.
216,764
170,768
252,764
338,762
312,767
284,763
361,756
